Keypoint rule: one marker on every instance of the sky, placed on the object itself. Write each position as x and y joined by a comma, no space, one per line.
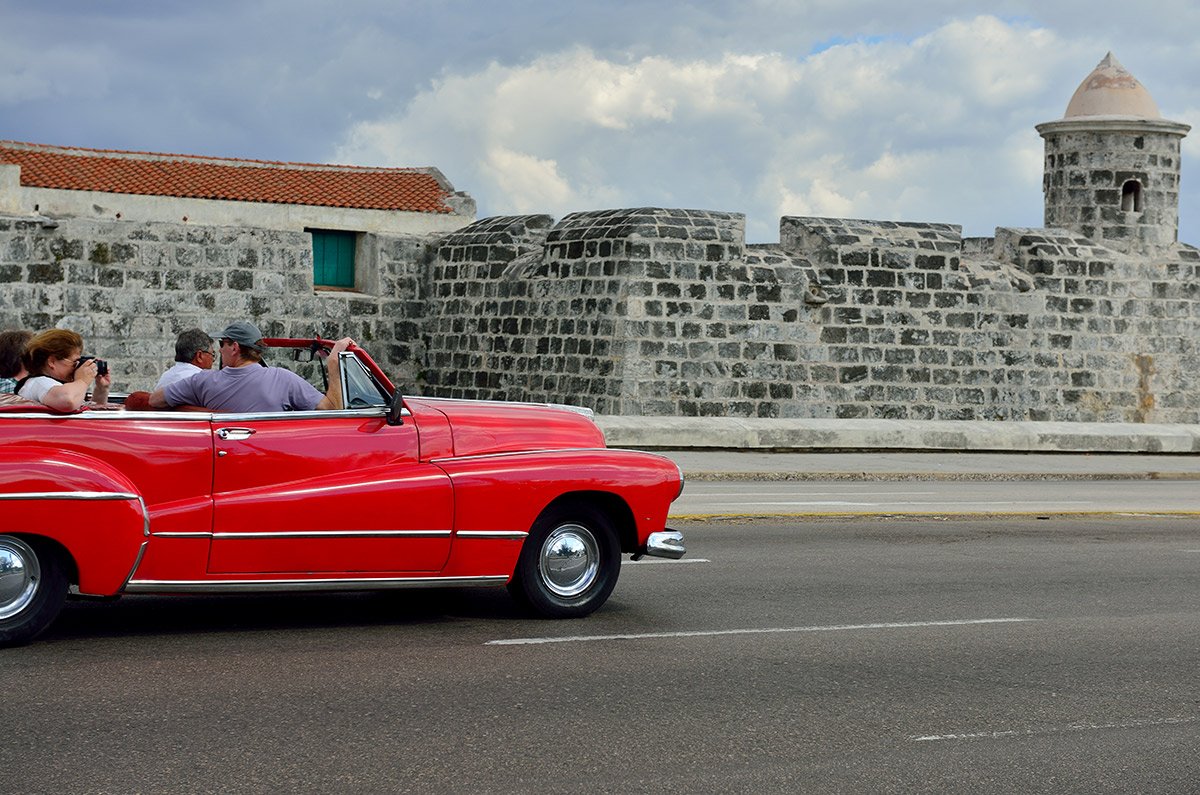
908,111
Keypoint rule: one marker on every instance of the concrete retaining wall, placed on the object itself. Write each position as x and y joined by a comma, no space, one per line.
725,433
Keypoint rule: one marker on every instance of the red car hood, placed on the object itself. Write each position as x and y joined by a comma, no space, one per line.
479,427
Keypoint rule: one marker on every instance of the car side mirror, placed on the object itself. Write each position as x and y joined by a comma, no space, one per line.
395,415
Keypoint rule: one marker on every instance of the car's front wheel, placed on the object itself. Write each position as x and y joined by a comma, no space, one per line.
33,587
569,564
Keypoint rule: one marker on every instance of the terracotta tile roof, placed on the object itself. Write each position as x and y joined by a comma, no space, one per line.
195,177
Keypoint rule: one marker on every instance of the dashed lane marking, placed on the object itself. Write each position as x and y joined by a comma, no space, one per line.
1071,727
800,493
762,631
898,506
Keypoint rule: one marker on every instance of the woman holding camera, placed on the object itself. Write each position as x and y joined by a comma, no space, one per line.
57,376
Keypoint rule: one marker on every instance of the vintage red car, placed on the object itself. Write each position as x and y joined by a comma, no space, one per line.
389,492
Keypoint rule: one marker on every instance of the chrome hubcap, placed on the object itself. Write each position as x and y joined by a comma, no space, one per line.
20,576
570,560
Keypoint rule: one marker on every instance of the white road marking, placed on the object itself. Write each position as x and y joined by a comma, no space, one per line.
752,493
1072,727
663,561
765,631
947,505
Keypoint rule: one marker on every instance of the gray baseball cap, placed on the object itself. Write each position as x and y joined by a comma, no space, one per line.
242,332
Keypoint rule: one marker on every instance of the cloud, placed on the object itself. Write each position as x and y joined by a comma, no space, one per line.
919,111
532,184
939,128
30,73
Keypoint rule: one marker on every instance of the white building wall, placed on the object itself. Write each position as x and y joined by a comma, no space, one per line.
10,189
19,200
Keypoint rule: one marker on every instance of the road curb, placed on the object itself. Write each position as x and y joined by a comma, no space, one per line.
915,515
715,477
784,435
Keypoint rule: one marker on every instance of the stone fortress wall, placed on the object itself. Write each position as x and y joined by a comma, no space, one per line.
665,312
668,312
130,287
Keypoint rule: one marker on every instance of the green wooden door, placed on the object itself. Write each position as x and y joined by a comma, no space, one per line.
333,258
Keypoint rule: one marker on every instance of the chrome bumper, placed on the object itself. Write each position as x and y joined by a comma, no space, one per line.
667,544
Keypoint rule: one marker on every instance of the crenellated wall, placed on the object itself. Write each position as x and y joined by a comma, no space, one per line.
668,312
527,310
662,312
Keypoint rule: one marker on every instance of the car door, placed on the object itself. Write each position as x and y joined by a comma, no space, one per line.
325,491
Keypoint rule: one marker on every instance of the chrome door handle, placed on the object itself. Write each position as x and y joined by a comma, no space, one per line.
235,434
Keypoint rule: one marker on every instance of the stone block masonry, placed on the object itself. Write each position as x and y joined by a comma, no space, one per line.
662,312
1037,326
667,312
1089,176
129,288
527,310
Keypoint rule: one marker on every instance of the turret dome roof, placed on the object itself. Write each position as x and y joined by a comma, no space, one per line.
1110,90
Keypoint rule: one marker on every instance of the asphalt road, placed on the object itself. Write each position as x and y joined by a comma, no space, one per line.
834,655
841,497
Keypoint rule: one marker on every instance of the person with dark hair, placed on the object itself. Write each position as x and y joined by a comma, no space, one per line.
12,368
244,384
193,354
58,377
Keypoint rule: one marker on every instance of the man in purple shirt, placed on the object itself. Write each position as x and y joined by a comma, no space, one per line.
244,385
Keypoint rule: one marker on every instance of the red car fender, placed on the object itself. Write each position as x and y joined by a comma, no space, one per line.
508,491
82,503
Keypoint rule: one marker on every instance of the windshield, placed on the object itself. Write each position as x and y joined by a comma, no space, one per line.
361,388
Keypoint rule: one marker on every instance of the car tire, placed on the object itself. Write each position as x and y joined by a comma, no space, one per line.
33,587
569,564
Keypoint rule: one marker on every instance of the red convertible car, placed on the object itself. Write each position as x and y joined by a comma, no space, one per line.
389,492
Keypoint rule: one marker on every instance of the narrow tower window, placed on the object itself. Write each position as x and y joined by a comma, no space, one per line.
1131,196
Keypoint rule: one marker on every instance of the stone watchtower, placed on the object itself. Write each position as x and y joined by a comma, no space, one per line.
1112,165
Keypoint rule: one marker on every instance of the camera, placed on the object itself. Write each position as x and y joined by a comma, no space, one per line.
101,365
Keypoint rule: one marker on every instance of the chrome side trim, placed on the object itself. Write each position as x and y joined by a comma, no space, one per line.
261,416
137,562
173,416
348,584
194,416
84,495
513,534
145,517
336,534
505,534
69,495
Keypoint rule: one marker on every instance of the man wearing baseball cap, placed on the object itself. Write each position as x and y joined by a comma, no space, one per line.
243,385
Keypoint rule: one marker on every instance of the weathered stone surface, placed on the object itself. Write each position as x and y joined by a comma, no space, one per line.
131,287
665,312
997,336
